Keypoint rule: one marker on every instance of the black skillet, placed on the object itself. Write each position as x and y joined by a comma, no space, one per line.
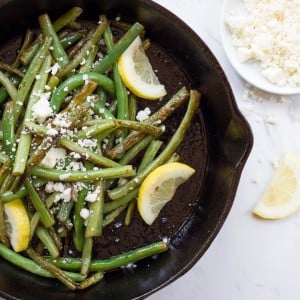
217,145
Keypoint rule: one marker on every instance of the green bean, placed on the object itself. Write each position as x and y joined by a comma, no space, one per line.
121,92
108,61
75,81
175,141
10,196
124,26
5,168
111,217
26,83
140,126
91,131
3,95
3,235
113,107
100,109
3,181
114,262
118,123
115,204
86,255
88,154
53,82
80,44
101,136
174,157
39,248
70,39
69,16
56,272
157,118
135,150
27,41
81,55
73,176
77,115
74,25
34,222
3,92
95,219
36,217
102,95
64,212
150,154
78,233
7,183
16,183
81,96
58,51
56,239
146,44
29,53
132,106
129,212
38,87
3,158
8,85
36,128
167,109
8,130
31,266
11,69
47,241
87,66
25,138
95,278
46,217
117,151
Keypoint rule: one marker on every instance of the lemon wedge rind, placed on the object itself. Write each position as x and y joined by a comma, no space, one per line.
18,224
137,73
159,187
282,198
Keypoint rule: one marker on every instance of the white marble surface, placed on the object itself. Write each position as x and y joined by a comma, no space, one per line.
250,258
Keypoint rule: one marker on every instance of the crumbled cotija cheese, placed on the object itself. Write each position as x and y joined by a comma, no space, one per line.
52,156
143,115
65,196
270,35
51,187
84,213
54,69
41,110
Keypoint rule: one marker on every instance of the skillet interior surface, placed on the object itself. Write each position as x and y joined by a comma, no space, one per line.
217,145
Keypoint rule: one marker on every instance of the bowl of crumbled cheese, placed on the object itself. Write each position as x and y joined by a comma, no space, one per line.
261,39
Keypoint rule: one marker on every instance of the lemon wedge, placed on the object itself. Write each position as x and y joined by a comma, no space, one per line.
159,187
282,197
137,74
17,224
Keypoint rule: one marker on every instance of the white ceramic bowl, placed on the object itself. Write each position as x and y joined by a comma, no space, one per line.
250,71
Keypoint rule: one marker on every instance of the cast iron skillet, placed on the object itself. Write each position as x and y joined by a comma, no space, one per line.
217,145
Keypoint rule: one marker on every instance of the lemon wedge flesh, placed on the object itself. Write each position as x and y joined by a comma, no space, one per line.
159,187
17,225
282,197
137,74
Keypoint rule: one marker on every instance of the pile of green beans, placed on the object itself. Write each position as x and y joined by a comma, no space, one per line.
104,152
